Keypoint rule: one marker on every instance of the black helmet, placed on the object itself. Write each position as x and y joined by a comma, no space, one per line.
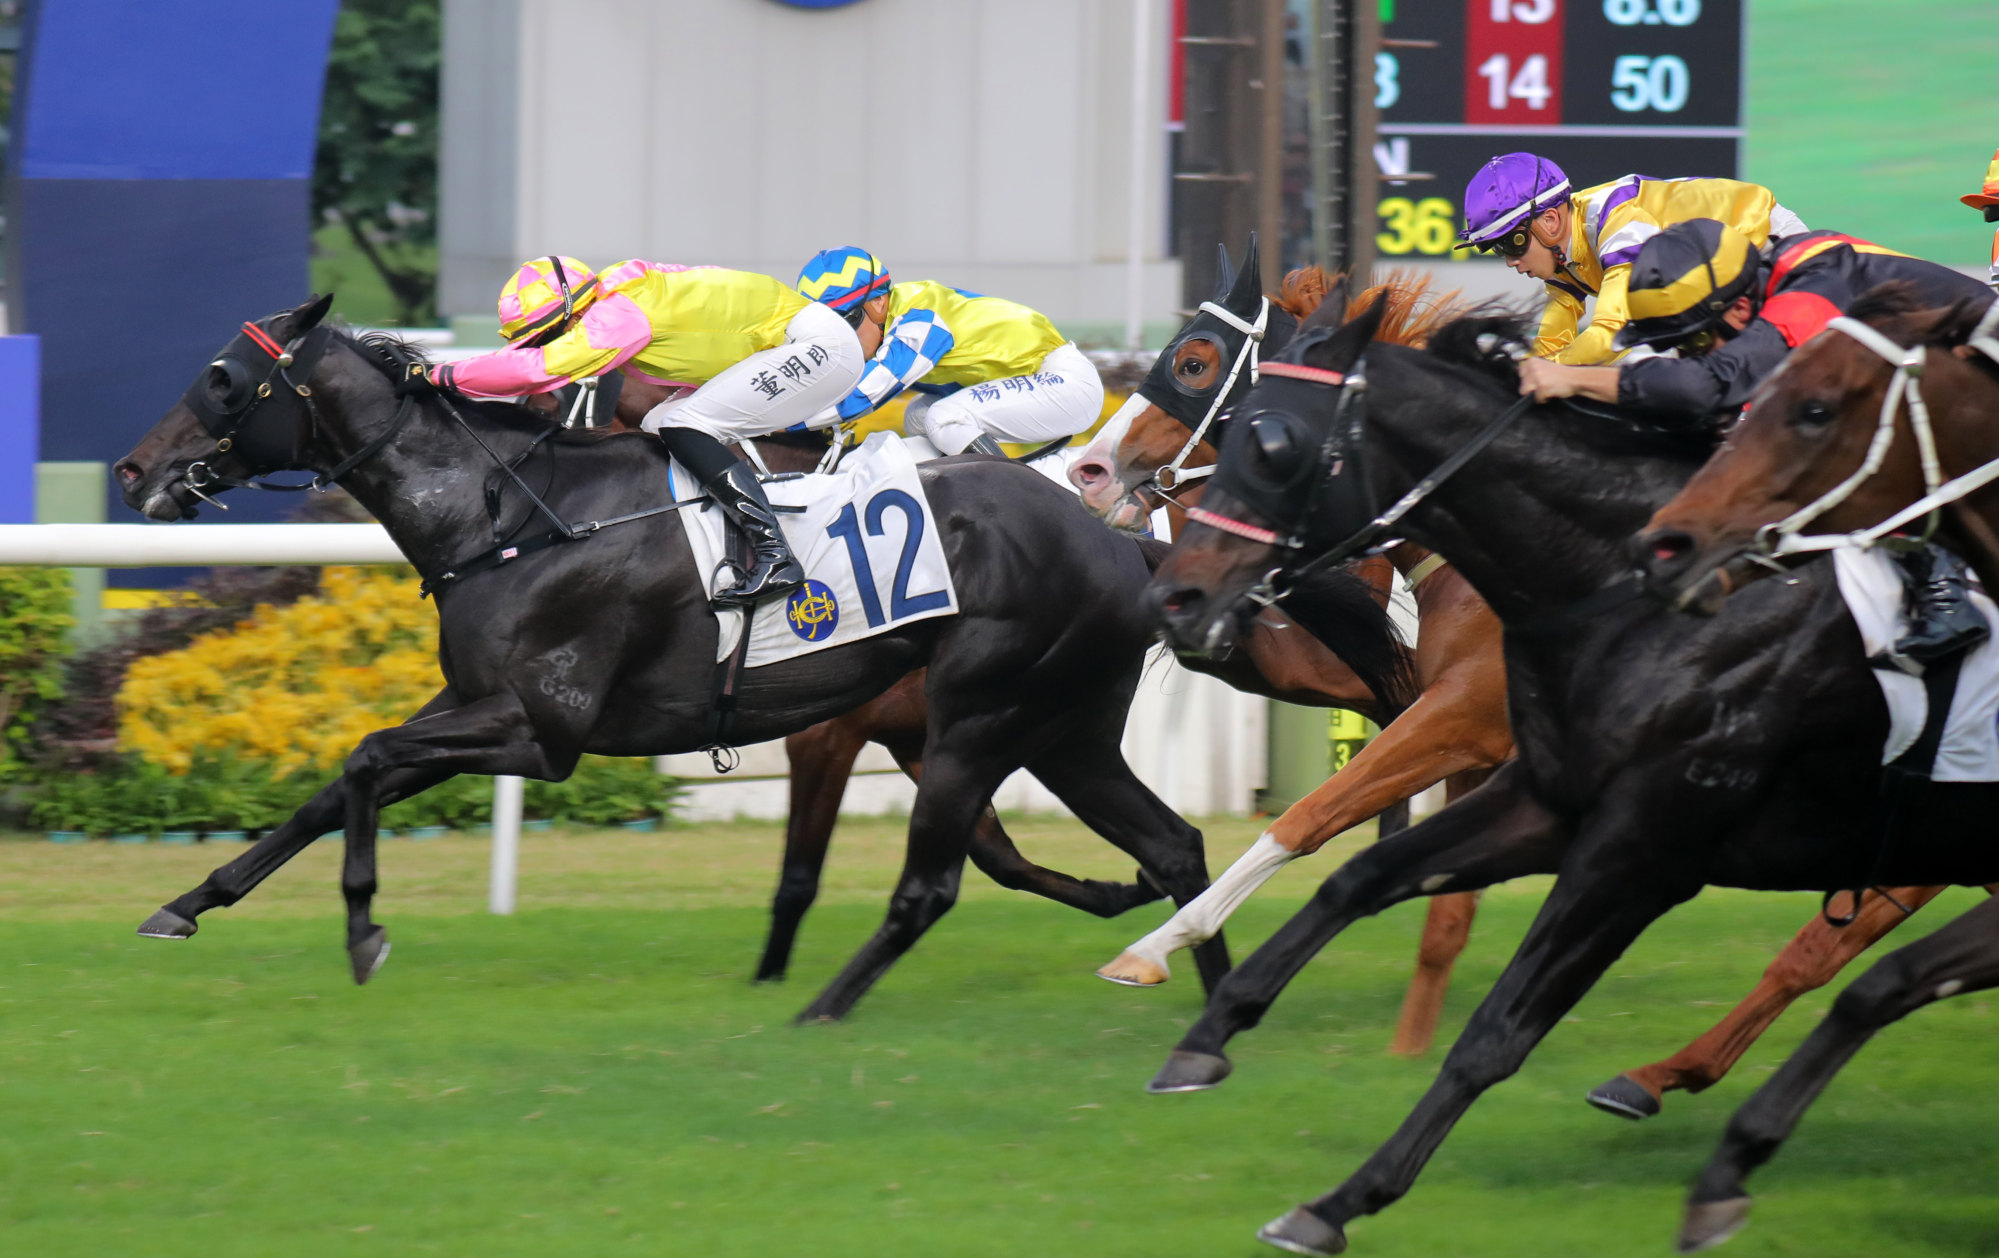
1684,280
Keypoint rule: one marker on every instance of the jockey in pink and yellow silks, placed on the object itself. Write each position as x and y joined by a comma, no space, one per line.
757,355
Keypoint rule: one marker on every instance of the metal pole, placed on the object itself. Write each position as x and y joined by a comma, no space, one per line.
1318,134
1143,135
506,843
1270,157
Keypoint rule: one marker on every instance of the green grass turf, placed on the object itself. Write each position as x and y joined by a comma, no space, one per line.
597,1076
1874,116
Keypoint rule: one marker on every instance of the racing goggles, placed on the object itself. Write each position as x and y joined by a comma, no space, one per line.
1513,245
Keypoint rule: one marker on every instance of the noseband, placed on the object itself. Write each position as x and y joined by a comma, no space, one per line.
1784,537
1174,474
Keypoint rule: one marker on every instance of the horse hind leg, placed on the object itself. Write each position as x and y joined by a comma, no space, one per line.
1446,931
1961,956
1817,953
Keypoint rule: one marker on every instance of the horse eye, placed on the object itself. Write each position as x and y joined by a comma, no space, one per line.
1813,413
1192,367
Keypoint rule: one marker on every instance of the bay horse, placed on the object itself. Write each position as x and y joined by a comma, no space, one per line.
1460,716
1841,401
605,642
1657,753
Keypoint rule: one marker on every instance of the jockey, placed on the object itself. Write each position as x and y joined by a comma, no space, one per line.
1581,244
989,370
1734,312
1987,199
751,355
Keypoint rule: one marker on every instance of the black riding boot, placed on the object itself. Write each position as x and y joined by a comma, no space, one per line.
1942,618
774,571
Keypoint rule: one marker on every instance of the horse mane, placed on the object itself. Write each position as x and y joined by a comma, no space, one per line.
1457,341
379,350
1415,308
1898,309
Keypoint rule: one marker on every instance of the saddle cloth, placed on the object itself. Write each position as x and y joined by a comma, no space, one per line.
1970,750
868,540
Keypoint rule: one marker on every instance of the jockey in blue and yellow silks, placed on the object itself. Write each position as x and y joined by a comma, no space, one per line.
990,369
1581,244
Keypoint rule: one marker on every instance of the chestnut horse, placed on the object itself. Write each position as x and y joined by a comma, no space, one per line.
1156,451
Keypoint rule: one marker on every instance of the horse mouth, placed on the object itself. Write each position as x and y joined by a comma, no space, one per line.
161,499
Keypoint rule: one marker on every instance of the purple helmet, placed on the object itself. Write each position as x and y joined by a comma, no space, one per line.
1507,192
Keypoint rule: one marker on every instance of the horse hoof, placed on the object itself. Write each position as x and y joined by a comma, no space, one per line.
1709,1223
1624,1097
1189,1072
1302,1232
1132,970
369,954
167,924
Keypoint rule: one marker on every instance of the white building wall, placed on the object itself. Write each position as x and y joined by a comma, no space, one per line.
984,143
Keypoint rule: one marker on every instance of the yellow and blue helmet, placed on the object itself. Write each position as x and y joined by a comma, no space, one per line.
846,279
1684,279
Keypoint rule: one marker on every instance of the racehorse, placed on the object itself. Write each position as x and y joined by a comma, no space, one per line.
1657,753
1460,668
1160,451
1278,663
1841,416
599,638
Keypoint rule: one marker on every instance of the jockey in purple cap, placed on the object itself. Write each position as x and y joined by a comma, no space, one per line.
1582,244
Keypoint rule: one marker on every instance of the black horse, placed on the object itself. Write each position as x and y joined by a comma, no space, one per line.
606,644
1657,753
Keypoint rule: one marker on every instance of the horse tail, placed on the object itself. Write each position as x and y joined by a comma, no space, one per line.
1339,609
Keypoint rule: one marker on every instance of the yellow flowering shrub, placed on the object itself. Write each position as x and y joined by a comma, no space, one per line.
293,687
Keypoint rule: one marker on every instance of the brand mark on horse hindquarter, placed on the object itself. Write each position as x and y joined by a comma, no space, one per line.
554,680
1718,773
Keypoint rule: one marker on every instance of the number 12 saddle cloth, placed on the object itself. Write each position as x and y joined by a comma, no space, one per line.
868,540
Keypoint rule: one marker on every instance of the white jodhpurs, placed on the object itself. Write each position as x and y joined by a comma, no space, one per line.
1060,400
819,363
1205,913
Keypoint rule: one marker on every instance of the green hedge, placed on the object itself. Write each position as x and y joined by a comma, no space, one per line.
128,796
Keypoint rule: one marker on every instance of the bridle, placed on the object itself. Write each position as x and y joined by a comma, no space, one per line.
244,425
1175,473
1339,456
1786,536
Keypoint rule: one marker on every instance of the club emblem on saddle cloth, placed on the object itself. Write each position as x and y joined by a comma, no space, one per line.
812,611
868,540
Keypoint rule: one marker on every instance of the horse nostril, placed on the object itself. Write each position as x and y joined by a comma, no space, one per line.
1180,600
128,472
1088,472
1665,548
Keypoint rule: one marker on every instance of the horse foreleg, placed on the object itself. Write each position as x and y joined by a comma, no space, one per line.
1609,891
1962,956
1088,773
1442,733
493,735
1817,953
1498,833
229,883
822,760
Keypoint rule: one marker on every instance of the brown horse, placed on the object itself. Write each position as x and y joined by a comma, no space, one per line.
1455,731
1808,431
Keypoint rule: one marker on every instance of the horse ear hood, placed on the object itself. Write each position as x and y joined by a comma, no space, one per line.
1224,275
1247,290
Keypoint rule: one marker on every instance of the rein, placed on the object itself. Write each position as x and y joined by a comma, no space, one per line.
1784,537
1175,473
